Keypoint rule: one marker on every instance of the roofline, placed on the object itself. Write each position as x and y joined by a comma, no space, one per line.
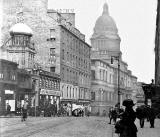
75,35
111,66
8,61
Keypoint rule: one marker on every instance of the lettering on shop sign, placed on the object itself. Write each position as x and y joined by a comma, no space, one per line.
49,92
65,10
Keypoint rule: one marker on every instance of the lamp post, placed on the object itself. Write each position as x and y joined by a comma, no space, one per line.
118,59
36,88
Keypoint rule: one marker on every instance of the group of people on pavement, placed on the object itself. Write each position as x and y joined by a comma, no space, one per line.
125,126
113,114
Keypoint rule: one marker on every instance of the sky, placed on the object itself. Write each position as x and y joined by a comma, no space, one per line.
136,23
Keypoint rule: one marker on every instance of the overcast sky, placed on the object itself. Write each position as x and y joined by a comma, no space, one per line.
135,20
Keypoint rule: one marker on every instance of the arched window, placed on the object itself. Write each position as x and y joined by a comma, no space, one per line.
76,93
67,92
70,92
73,92
63,54
104,75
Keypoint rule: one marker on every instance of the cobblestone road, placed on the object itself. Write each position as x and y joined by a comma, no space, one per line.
67,127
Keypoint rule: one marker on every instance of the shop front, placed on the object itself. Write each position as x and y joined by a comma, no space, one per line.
24,90
49,92
67,104
8,85
7,96
49,97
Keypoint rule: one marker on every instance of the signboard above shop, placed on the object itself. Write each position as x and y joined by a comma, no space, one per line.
9,92
49,92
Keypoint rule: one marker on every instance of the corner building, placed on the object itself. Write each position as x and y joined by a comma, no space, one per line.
60,46
105,43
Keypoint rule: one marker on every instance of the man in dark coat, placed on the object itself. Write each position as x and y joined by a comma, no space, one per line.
112,115
128,117
151,117
141,114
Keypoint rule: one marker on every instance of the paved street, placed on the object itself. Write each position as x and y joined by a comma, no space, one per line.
66,127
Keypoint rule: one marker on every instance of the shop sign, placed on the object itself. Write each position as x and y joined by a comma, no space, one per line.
139,96
49,92
84,101
9,92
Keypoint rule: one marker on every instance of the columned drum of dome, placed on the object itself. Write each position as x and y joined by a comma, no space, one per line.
105,36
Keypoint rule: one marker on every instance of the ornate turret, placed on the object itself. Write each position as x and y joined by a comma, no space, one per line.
20,48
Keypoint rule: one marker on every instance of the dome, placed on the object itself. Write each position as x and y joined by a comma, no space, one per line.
105,24
20,28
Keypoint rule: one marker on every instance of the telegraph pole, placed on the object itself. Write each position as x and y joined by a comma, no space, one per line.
157,44
118,82
118,93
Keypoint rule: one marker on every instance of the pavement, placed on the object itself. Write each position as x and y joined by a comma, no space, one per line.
67,127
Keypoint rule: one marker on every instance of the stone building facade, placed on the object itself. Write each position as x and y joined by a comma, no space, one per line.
105,59
75,66
59,46
8,84
15,86
49,88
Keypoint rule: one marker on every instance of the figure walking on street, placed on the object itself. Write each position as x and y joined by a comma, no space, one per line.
152,117
24,111
126,124
8,109
112,115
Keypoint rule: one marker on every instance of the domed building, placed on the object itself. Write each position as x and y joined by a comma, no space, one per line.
112,82
105,37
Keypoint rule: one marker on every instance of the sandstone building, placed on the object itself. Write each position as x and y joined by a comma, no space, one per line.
59,46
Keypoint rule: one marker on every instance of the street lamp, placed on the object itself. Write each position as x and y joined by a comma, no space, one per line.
118,59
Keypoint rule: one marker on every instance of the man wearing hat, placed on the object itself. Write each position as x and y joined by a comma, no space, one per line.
127,119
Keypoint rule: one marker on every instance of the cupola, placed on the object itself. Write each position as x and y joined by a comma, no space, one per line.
21,28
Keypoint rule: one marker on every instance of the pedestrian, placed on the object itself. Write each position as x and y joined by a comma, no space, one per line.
151,116
126,124
24,111
112,115
8,109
